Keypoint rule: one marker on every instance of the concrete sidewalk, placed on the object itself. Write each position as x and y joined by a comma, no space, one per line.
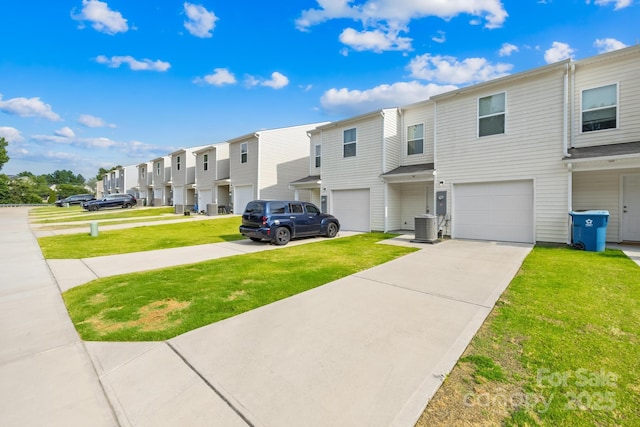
46,376
366,350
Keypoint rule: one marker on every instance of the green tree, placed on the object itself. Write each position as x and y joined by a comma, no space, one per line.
66,190
65,177
4,157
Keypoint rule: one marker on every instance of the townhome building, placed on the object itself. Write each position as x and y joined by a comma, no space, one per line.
377,168
212,179
145,184
504,160
161,181
126,179
262,164
183,178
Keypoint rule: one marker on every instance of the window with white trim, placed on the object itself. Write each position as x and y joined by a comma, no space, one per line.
158,168
600,108
141,173
178,163
349,143
318,153
244,151
415,139
492,114
205,162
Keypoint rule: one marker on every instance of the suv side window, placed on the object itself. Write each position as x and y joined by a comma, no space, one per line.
277,208
296,208
312,209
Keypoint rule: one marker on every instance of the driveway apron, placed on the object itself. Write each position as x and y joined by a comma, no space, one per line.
367,350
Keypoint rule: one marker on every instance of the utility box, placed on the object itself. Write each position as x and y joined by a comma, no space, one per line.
212,209
426,229
590,230
441,203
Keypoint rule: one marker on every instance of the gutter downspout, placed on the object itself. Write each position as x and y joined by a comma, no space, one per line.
565,118
385,226
568,133
259,170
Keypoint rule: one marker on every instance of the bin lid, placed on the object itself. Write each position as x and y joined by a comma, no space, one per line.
425,216
589,213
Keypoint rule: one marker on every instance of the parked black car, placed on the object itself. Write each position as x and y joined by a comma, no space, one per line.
111,201
279,221
76,199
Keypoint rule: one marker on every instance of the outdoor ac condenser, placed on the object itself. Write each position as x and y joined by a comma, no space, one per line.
426,229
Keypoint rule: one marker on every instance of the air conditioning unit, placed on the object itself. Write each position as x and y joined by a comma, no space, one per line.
426,229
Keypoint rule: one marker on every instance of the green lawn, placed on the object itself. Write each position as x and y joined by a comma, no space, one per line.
144,238
76,214
161,304
560,348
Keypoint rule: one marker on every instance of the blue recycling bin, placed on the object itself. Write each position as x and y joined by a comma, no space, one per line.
590,230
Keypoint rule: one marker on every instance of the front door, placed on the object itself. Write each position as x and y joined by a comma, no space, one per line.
630,230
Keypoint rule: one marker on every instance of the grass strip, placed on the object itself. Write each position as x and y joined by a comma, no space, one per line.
78,214
559,348
162,304
139,239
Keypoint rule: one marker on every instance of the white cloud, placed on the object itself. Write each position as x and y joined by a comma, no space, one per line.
65,132
440,38
507,49
608,45
134,64
619,4
393,16
93,122
201,22
376,40
11,134
448,70
350,102
91,143
28,107
558,52
277,81
220,77
102,18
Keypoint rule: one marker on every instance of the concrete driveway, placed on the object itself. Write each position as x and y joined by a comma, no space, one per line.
367,350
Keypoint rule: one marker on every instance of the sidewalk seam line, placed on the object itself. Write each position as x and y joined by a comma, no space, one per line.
211,386
423,292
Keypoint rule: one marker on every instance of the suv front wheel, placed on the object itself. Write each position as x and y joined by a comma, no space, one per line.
282,237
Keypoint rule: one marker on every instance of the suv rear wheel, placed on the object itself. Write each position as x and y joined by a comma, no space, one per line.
282,237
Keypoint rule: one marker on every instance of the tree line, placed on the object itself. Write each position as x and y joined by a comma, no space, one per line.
27,187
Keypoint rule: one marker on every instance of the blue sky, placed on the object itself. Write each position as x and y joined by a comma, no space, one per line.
87,84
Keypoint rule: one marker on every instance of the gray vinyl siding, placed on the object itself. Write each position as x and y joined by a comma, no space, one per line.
420,114
392,140
530,148
244,173
361,171
621,68
284,157
205,179
600,190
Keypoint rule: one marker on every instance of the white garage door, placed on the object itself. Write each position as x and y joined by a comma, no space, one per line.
352,209
178,196
242,194
501,211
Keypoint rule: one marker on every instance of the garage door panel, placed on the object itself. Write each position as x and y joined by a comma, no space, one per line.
501,211
243,194
352,208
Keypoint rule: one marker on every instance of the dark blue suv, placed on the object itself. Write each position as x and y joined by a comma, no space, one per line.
279,221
